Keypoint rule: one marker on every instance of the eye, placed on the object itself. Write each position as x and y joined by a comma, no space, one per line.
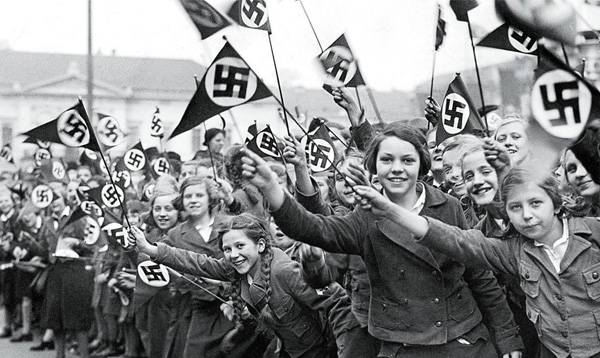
536,203
447,170
409,160
514,207
226,250
385,159
239,246
468,176
516,136
501,138
571,168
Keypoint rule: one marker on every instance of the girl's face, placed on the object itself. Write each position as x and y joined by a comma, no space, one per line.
242,252
532,213
435,152
323,187
397,166
578,177
342,189
513,136
453,178
6,203
195,200
481,180
282,241
164,213
217,143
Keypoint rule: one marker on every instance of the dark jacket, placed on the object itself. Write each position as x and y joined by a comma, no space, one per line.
294,304
564,306
417,296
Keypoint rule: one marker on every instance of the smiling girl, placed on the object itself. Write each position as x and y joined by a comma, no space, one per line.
264,279
555,257
512,133
581,181
422,303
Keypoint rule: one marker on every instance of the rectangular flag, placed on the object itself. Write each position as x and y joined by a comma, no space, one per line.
264,144
250,13
459,114
227,83
71,128
340,65
207,19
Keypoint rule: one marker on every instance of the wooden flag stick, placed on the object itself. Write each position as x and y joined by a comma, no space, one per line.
336,136
358,98
583,68
432,78
212,163
372,98
311,25
287,126
564,51
487,129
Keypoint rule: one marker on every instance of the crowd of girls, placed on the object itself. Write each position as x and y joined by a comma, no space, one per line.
408,248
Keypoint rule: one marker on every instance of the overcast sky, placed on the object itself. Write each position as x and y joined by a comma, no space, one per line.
393,39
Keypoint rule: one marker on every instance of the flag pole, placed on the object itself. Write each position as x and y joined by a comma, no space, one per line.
107,167
487,129
311,25
432,78
564,51
583,68
212,163
358,98
336,136
287,125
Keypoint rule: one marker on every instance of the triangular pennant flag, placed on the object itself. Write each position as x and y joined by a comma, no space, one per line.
114,230
561,100
440,30
320,151
264,144
554,19
459,114
135,159
252,132
42,196
85,208
509,38
227,83
340,65
109,195
207,19
462,7
71,128
40,155
92,160
53,170
250,13
156,126
109,131
6,153
161,166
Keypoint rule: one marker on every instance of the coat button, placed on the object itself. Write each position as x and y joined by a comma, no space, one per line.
527,275
402,273
438,324
563,317
436,300
595,275
405,301
565,334
434,273
558,296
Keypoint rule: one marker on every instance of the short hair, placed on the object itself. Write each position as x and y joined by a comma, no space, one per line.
512,118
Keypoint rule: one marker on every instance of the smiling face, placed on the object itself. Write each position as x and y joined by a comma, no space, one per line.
6,202
342,189
164,213
578,177
514,137
323,187
532,213
217,143
453,172
242,252
196,201
397,166
435,152
280,239
481,180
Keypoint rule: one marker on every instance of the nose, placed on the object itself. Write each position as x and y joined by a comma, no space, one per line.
527,213
581,172
397,166
234,253
478,179
455,174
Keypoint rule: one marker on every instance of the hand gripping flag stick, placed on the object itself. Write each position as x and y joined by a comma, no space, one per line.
195,283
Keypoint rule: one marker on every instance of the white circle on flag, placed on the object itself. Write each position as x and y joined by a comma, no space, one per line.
561,104
260,139
153,274
203,14
72,129
230,82
91,208
455,113
40,155
253,13
92,231
117,232
315,157
339,64
149,191
134,159
42,196
123,176
58,170
112,195
161,166
91,154
109,131
520,41
43,143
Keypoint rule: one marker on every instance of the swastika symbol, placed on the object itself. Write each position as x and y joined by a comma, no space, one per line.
520,41
111,131
162,166
201,13
153,273
256,9
42,195
230,81
156,126
134,159
268,145
112,196
525,40
319,155
340,67
561,104
58,170
72,129
455,112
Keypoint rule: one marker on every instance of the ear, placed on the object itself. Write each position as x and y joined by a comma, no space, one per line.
262,245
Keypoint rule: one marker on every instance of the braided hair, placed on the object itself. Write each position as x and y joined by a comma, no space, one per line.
255,230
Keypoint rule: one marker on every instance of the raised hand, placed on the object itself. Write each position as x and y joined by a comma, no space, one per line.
358,175
137,238
432,111
370,199
310,253
496,154
225,191
343,98
293,152
256,170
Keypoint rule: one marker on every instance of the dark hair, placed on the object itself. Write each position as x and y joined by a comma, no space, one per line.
406,133
233,166
255,229
211,190
521,176
211,133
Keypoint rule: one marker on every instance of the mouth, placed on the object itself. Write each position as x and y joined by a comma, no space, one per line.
396,180
584,183
238,263
511,151
530,227
437,158
481,191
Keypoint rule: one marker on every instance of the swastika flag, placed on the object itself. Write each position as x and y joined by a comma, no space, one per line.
109,130
320,151
207,19
340,65
53,170
459,114
71,128
156,126
265,145
250,13
114,230
510,38
135,159
440,30
227,83
561,100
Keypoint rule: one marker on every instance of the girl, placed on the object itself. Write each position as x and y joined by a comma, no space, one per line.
420,302
153,307
556,258
263,278
512,133
581,182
